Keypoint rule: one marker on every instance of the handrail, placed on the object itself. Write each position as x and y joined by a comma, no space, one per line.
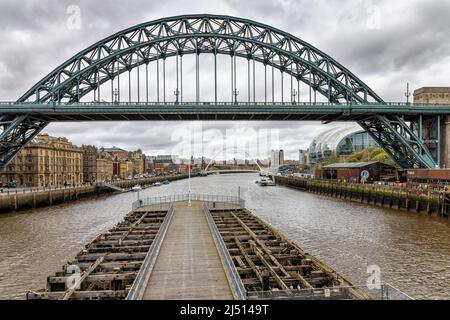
385,291
224,103
137,290
234,279
186,197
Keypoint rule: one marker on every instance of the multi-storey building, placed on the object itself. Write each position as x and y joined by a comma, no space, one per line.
97,165
104,168
125,169
303,158
137,158
277,158
46,161
90,154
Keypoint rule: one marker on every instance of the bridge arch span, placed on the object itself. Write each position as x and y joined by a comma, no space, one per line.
197,34
177,36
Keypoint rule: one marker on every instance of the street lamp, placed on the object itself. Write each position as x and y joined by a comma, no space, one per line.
189,179
177,94
294,94
407,93
236,94
116,94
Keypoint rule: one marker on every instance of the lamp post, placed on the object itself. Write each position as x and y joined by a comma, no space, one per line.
177,94
236,94
407,93
294,94
116,94
189,182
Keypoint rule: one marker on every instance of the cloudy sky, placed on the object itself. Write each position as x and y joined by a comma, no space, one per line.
385,43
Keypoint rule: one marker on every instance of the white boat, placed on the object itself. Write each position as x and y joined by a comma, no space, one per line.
157,184
265,182
136,188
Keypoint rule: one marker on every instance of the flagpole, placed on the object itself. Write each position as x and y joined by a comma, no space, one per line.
190,164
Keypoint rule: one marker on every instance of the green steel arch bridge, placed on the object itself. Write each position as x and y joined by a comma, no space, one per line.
87,87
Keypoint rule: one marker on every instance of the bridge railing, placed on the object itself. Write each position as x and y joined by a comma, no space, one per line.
384,292
185,197
140,283
235,281
224,103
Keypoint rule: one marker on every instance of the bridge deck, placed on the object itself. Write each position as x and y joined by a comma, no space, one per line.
220,111
188,266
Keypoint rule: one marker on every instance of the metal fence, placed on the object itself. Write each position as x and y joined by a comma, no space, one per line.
137,290
188,103
233,276
384,292
185,197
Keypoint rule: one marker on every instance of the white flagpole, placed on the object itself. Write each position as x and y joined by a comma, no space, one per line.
190,164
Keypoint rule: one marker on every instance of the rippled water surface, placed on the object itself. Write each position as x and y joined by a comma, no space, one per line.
413,251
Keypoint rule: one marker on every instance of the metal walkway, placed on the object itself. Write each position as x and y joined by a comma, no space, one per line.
188,266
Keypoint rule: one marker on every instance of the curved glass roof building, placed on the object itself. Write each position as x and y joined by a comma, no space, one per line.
338,141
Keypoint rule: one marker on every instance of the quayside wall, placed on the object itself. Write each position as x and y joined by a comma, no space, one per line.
25,200
400,197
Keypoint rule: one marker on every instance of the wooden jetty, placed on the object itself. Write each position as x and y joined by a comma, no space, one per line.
107,267
188,265
272,266
207,248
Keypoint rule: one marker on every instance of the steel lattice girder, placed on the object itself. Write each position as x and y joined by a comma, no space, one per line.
399,141
193,34
16,134
196,34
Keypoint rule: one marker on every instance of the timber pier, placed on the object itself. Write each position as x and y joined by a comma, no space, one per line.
197,247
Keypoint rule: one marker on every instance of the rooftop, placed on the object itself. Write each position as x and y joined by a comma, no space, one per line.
352,165
114,149
432,90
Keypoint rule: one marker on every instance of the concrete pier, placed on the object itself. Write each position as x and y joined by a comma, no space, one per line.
188,265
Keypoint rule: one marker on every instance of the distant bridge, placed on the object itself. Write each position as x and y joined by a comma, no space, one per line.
77,89
229,171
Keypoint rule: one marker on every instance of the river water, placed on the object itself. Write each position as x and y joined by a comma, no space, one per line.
412,251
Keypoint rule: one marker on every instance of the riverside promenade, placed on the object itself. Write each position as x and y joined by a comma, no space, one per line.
32,198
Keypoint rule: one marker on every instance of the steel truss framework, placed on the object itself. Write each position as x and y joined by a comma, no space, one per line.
158,40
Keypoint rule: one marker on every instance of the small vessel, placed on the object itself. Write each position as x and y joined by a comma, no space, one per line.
157,184
166,182
265,182
136,188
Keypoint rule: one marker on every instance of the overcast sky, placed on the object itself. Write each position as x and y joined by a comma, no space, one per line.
385,43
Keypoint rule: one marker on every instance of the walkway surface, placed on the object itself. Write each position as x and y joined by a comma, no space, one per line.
188,266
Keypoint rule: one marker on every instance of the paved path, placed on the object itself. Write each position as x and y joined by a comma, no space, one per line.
188,266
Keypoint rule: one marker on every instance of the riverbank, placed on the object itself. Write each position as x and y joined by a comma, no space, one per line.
405,199
19,201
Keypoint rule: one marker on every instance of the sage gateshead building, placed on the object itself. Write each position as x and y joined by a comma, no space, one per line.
339,141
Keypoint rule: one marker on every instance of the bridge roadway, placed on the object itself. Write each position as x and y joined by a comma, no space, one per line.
131,111
188,266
